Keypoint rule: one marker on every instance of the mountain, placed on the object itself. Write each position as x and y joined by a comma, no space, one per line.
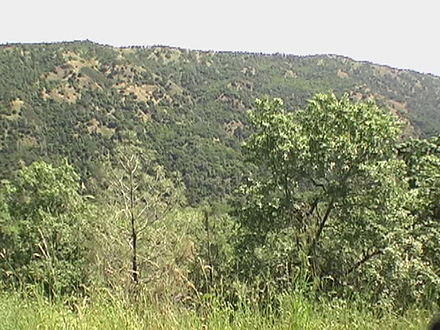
79,100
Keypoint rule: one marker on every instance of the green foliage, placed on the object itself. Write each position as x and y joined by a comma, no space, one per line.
422,158
78,100
44,231
213,234
334,200
107,310
329,197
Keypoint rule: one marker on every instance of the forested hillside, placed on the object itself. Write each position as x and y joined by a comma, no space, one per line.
330,218
80,100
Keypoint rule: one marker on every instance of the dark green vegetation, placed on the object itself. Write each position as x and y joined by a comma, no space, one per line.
127,198
80,100
332,198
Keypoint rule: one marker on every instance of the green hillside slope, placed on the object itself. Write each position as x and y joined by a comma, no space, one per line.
79,100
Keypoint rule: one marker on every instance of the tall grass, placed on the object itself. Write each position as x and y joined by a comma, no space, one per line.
106,310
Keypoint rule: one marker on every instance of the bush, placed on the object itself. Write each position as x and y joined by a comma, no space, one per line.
44,224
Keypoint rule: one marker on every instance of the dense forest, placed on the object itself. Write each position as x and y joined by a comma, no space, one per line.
166,188
80,100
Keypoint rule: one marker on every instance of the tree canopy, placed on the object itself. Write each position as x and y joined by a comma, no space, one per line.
329,195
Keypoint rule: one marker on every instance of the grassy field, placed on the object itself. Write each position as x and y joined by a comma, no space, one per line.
105,311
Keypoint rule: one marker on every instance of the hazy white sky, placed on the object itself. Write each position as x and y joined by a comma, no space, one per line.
403,34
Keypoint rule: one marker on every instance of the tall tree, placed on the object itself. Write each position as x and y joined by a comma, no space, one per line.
328,193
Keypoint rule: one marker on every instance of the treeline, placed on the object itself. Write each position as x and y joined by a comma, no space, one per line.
334,203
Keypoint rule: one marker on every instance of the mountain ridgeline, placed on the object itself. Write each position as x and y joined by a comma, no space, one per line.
80,100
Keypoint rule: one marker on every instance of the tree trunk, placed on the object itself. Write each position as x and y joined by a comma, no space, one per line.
134,265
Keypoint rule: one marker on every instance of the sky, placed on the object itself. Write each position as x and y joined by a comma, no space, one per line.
403,34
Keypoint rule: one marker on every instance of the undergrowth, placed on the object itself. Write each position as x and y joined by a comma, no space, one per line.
106,310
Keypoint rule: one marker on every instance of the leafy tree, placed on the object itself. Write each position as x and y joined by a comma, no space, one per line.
327,195
422,158
43,229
